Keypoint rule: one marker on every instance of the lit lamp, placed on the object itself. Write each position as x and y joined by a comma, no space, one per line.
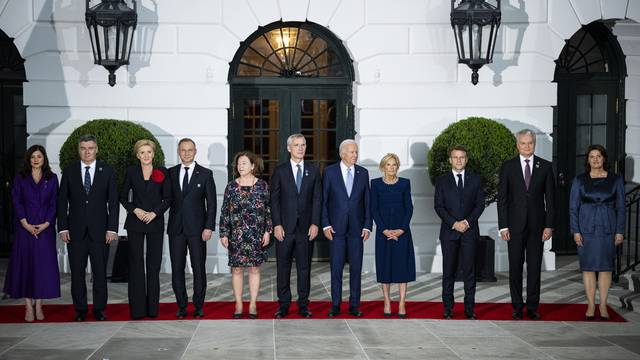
475,26
111,25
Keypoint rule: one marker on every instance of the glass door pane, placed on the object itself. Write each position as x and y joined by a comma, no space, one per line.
318,125
261,132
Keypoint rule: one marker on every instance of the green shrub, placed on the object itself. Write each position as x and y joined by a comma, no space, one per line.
115,144
488,143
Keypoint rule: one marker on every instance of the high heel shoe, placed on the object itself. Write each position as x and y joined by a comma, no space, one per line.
39,314
253,315
28,314
589,318
237,315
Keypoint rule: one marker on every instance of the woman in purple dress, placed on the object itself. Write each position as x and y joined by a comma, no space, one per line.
33,266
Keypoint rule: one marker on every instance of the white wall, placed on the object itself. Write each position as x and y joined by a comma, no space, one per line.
406,70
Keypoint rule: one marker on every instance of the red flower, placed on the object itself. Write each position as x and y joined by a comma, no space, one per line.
157,176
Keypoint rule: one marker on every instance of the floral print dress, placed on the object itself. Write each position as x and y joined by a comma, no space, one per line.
245,217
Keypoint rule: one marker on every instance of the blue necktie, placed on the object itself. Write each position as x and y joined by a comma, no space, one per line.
299,177
349,181
87,179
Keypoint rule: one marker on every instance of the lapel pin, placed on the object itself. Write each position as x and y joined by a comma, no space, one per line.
306,173
537,165
100,169
198,185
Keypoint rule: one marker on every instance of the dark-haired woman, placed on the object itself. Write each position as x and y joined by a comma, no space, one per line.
33,267
597,218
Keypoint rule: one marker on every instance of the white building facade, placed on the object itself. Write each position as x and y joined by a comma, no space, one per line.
407,84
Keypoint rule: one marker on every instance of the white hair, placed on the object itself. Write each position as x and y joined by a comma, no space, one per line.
292,137
525,132
344,144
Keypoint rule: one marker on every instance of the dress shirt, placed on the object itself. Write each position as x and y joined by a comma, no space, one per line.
455,176
182,170
343,170
92,170
523,164
294,168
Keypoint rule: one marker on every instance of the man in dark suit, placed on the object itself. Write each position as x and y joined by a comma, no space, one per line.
296,198
459,202
346,222
191,223
525,217
88,211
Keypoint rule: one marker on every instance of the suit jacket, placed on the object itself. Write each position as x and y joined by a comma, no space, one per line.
347,215
452,206
96,212
146,195
519,207
196,210
293,210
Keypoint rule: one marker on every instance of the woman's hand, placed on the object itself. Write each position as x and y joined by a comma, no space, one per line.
41,227
149,217
139,213
577,237
618,239
30,228
225,242
265,239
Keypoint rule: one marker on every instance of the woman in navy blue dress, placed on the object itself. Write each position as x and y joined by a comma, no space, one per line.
392,210
597,218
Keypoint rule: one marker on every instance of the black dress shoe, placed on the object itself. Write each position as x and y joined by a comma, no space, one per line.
517,315
80,316
182,313
470,315
282,312
533,315
355,312
335,311
305,313
99,315
448,314
198,313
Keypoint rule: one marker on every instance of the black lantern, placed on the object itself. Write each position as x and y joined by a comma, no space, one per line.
475,26
111,25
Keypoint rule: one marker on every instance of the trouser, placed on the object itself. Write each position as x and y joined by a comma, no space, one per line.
298,246
98,251
178,245
525,246
144,288
338,248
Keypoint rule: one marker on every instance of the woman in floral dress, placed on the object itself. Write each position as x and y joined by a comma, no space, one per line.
245,226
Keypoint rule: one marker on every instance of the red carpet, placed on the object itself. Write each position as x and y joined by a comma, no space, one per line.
216,310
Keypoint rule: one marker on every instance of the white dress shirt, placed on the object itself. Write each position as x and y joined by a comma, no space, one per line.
294,168
182,170
343,169
92,170
523,164
455,176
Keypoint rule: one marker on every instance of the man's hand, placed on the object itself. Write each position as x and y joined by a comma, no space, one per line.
111,237
618,239
365,234
504,234
546,234
64,236
313,232
206,234
577,237
278,232
460,226
328,233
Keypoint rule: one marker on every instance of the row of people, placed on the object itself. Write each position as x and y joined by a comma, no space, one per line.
293,209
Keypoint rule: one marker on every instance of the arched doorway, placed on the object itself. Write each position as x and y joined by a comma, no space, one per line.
291,77
590,74
13,131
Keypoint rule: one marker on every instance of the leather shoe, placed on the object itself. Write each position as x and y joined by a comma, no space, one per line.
198,313
282,312
448,314
335,311
80,316
470,315
517,314
533,315
182,313
99,315
355,312
305,313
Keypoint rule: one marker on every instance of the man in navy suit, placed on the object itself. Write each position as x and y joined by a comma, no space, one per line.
459,202
525,217
346,222
192,219
296,197
88,212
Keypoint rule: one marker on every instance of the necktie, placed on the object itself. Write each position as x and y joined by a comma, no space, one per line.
299,177
460,183
349,181
527,174
185,181
87,179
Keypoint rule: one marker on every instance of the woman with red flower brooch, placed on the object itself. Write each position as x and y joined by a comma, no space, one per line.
146,195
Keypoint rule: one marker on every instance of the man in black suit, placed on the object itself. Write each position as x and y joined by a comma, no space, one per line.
88,211
191,223
459,202
525,218
296,196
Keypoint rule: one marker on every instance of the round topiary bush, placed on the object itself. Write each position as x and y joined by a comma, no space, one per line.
488,143
115,144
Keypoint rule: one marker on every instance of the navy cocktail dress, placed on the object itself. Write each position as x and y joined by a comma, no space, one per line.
597,211
392,209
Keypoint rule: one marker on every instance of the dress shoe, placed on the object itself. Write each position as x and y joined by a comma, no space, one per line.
335,311
533,315
470,315
517,314
80,316
99,315
305,313
182,313
355,312
448,314
198,313
282,312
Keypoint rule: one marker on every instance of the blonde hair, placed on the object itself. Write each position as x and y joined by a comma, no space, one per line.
385,159
143,142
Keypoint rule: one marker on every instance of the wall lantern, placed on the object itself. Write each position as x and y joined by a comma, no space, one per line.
475,27
111,25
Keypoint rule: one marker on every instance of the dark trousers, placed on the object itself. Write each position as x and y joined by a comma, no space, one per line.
98,251
144,289
527,245
463,252
297,245
178,245
338,248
